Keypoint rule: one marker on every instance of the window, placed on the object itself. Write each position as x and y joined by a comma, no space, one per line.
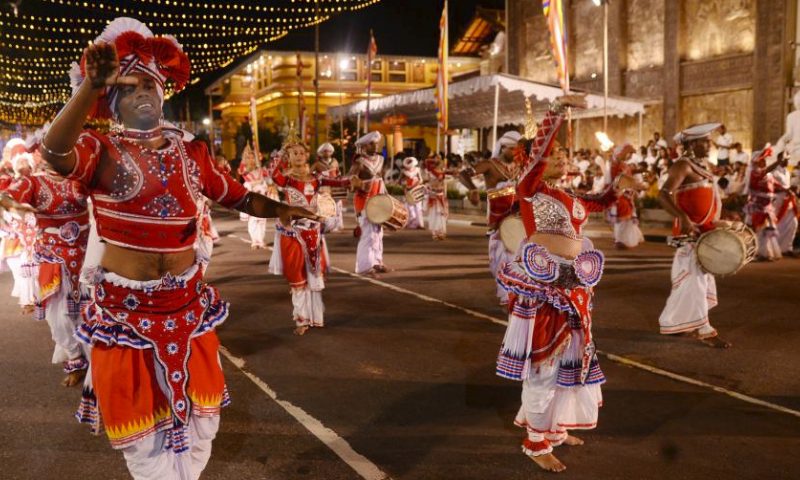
397,77
376,76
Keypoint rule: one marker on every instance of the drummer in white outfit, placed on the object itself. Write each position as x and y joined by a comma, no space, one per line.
369,167
500,173
690,194
413,183
328,167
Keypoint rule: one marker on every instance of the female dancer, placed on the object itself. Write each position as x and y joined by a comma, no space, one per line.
548,343
300,253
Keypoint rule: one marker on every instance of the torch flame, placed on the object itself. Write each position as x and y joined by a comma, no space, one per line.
605,143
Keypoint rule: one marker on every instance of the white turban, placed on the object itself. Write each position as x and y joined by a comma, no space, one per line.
325,147
410,162
17,161
368,138
509,139
696,132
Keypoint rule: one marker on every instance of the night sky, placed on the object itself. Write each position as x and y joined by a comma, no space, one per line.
401,27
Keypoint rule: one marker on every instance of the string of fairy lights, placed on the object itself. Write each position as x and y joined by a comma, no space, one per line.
42,38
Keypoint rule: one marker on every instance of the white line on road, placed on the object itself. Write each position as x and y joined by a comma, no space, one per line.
339,445
610,356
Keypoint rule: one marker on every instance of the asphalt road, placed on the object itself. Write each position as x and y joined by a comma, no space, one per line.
400,383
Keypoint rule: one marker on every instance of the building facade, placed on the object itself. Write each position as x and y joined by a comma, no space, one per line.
275,80
691,61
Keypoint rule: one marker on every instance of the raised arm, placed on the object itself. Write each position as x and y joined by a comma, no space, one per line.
102,70
484,168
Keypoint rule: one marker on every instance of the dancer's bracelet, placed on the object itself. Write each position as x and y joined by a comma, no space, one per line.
55,154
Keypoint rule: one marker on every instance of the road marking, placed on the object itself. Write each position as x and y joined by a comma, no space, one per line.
339,445
610,356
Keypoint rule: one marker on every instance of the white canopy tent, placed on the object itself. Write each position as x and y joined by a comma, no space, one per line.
485,101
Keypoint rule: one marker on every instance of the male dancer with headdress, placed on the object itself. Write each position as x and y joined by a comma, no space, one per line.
369,167
690,194
500,174
62,221
328,167
155,373
412,180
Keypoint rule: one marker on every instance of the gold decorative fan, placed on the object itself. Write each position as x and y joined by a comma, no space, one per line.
291,137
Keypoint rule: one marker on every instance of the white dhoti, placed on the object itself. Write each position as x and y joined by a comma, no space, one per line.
62,325
628,233
768,246
694,293
498,256
257,228
29,282
549,409
437,217
150,459
15,265
787,225
415,216
369,253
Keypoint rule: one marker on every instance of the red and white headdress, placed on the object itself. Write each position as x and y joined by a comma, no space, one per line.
139,51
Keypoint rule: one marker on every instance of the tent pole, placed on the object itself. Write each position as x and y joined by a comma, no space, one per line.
496,109
640,129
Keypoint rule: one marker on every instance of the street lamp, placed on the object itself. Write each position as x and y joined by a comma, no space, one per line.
604,4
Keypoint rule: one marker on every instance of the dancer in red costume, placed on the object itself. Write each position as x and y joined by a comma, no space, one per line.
411,181
328,167
438,207
627,233
760,208
155,377
548,343
301,253
62,222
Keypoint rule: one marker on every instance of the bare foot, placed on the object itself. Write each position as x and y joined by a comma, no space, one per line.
74,379
373,273
28,309
301,330
573,441
716,342
549,462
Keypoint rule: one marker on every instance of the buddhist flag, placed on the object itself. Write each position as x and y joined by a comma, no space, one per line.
442,108
372,50
556,22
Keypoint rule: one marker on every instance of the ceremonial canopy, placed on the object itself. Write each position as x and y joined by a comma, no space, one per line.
472,103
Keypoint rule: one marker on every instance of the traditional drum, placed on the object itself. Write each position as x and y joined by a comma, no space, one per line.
724,251
415,195
326,205
501,204
387,211
512,233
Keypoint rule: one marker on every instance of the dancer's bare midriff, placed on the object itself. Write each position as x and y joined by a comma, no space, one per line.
560,245
142,266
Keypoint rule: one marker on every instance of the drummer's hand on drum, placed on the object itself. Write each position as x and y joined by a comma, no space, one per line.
687,226
288,213
474,197
356,183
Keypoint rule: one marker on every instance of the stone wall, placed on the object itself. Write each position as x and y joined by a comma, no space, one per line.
734,109
717,27
731,57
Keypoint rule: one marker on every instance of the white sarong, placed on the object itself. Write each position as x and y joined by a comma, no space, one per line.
694,293
370,245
